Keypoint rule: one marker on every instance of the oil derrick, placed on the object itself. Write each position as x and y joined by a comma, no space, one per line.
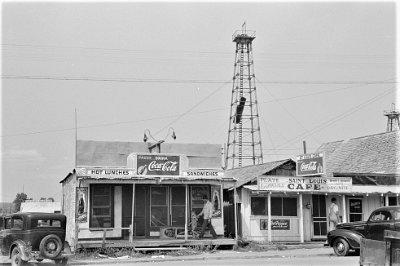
393,123
244,139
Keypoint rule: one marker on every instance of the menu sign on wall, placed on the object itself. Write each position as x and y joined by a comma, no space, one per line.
316,184
157,164
310,164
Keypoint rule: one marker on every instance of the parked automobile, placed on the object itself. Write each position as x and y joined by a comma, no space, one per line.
34,236
347,236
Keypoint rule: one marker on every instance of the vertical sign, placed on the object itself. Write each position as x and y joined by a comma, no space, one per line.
81,204
216,200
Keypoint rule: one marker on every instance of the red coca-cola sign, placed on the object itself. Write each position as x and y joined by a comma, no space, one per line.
310,164
157,164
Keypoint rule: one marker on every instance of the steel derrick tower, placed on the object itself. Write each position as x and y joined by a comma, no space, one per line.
393,122
244,139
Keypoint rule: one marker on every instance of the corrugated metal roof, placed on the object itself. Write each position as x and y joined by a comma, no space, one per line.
373,154
250,173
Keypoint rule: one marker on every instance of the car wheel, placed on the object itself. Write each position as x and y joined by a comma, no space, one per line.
16,259
50,246
63,261
341,247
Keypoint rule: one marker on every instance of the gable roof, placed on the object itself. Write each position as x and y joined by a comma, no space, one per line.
250,173
373,154
115,153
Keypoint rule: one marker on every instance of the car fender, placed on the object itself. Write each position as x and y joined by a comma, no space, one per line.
24,247
352,237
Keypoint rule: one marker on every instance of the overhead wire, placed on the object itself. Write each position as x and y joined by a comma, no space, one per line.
163,117
339,117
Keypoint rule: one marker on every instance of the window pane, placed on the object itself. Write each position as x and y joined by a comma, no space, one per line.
158,196
159,216
276,206
101,200
178,215
258,206
101,211
178,195
17,225
289,207
8,223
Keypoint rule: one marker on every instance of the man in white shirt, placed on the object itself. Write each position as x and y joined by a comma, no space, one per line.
207,213
334,217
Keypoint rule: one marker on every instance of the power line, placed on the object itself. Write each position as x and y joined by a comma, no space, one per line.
164,117
339,117
143,80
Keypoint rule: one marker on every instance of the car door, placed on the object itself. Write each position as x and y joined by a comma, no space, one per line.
378,222
5,236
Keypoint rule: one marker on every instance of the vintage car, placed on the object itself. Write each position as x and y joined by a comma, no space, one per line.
34,236
347,236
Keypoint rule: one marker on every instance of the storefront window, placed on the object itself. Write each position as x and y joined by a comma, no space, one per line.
283,206
102,202
259,206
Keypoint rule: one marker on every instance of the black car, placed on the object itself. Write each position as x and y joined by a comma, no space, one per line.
34,236
347,236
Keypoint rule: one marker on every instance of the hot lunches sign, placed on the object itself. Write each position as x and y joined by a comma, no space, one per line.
157,165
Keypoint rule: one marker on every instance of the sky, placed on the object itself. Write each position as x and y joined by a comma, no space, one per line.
325,71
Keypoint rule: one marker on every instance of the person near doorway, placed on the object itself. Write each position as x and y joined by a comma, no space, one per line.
207,213
334,216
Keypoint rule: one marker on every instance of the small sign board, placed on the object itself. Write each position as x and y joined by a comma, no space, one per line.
276,224
310,164
149,164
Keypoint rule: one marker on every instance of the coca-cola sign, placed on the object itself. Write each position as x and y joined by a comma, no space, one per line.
157,165
310,164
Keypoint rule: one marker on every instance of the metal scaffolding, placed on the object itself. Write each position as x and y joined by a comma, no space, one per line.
244,139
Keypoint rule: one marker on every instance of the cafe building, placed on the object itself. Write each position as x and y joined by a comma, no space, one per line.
122,194
288,200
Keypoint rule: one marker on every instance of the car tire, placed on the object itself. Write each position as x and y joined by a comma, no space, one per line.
50,246
16,258
341,247
63,261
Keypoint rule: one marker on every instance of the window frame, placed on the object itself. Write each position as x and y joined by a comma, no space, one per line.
265,205
282,204
93,206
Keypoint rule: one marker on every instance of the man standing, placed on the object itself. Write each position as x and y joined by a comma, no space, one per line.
207,213
333,215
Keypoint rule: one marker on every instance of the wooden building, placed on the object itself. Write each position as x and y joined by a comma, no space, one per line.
278,202
121,194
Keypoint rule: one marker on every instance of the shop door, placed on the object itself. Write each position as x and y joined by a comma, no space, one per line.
178,202
355,210
141,211
126,209
319,216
